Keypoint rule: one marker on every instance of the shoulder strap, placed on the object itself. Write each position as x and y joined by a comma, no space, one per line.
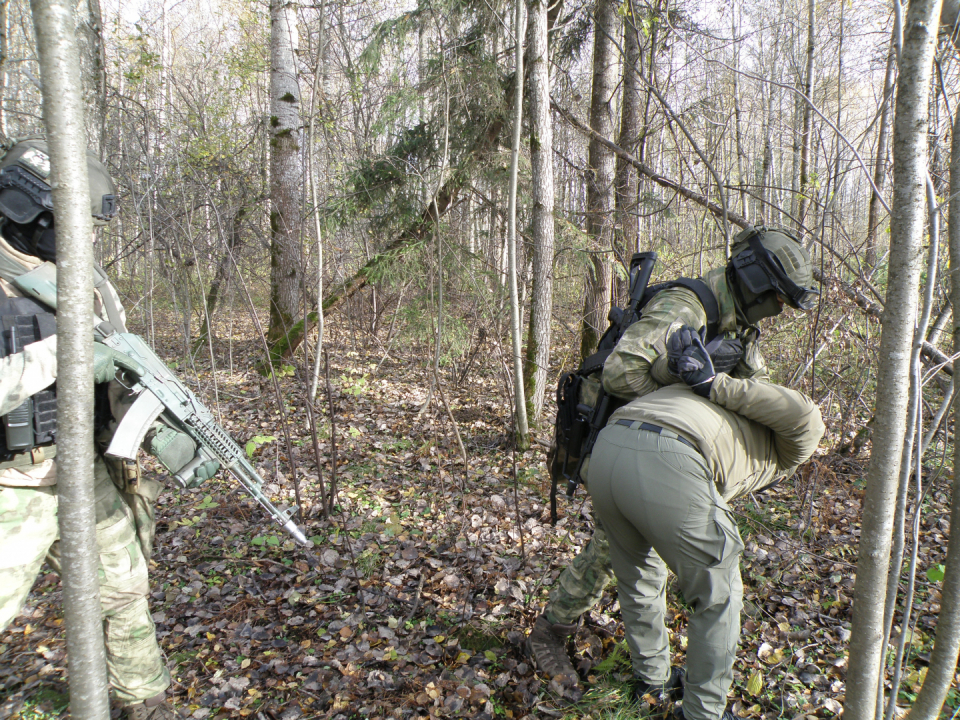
707,299
109,299
595,362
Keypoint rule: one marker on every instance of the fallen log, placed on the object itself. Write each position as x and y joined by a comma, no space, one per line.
417,232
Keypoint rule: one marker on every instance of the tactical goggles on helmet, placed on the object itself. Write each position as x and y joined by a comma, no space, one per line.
760,272
23,196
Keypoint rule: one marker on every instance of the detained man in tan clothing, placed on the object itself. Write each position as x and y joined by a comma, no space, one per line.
768,269
661,475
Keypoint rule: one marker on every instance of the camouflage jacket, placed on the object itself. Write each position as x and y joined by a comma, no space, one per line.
26,373
638,365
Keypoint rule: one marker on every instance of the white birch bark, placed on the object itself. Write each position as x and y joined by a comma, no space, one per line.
286,170
63,116
515,333
906,239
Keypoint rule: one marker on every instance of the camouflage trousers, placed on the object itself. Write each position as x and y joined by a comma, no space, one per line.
29,535
581,584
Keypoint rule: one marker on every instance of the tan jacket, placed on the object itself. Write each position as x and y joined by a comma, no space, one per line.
750,433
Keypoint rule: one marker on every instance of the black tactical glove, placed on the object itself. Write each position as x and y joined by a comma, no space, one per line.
725,353
696,368
676,344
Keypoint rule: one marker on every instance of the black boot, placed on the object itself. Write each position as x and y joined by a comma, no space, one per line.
671,690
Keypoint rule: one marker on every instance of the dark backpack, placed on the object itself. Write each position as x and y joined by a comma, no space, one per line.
583,406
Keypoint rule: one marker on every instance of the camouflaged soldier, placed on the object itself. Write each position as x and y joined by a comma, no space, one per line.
768,268
28,472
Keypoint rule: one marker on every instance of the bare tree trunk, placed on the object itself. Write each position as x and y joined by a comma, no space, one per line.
906,239
541,161
763,181
4,63
64,122
319,71
93,71
627,177
520,403
600,175
222,274
738,131
943,660
807,116
880,159
286,171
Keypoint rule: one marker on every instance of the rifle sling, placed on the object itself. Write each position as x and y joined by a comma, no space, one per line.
110,305
707,299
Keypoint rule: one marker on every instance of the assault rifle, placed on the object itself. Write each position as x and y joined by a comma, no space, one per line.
159,392
641,267
579,423
583,406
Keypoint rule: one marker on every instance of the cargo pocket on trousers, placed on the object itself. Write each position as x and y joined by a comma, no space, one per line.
729,555
140,494
143,501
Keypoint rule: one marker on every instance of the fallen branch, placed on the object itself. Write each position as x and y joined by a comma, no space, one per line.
418,231
666,182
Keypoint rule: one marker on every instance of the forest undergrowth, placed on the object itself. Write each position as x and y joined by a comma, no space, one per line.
416,599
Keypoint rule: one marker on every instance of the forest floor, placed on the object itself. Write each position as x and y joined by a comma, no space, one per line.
417,597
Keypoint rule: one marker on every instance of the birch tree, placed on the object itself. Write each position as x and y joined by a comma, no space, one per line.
522,431
286,170
946,648
64,121
906,238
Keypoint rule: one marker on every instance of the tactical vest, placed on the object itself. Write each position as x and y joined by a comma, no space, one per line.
33,424
23,321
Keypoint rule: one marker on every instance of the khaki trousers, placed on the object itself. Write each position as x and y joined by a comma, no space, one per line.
660,509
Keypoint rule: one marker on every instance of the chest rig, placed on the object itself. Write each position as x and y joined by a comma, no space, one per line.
32,425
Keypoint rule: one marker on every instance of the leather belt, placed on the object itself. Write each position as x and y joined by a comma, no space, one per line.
650,427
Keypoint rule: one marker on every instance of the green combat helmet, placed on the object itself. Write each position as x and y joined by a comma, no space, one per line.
26,200
25,184
768,268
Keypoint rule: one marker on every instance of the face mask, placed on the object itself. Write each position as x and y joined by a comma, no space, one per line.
37,239
758,306
768,306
